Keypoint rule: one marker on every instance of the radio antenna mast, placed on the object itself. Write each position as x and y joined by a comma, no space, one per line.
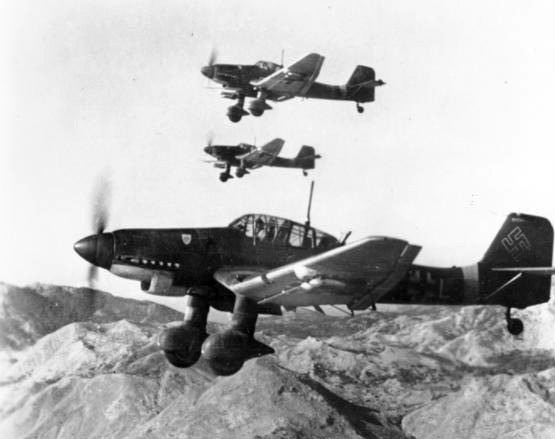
307,223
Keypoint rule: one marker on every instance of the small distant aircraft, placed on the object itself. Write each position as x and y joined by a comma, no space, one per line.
266,80
245,157
260,264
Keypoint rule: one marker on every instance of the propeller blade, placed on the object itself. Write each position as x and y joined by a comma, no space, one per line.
92,303
210,139
213,56
100,214
92,275
101,200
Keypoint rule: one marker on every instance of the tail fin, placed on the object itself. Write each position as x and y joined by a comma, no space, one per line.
506,275
361,84
306,156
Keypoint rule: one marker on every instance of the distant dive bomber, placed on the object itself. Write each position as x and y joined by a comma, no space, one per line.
269,81
247,157
261,264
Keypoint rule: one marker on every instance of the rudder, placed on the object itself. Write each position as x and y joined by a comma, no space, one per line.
523,241
358,86
306,157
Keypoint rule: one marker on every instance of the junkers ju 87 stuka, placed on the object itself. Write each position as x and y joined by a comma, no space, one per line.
267,81
260,264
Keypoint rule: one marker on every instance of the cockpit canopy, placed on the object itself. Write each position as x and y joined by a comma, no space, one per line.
246,147
267,65
272,229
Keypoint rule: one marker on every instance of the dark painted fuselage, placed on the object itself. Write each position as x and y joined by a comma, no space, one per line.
169,261
231,154
239,78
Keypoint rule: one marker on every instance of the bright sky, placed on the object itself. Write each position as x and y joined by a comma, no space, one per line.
461,135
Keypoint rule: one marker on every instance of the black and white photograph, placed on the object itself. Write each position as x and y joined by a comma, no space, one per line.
277,220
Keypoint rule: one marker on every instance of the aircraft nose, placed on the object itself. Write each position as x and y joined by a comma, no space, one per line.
86,248
208,71
96,249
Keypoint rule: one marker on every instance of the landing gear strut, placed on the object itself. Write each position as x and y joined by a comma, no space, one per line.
182,344
514,326
226,351
360,108
224,176
236,112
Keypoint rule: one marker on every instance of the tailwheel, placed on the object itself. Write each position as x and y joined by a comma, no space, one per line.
360,108
305,173
514,325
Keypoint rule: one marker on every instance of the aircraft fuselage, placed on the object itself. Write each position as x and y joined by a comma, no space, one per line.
239,77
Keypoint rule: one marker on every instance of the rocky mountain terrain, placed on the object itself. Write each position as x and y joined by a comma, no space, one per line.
82,363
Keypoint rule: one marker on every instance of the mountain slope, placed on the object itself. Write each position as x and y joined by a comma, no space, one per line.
422,371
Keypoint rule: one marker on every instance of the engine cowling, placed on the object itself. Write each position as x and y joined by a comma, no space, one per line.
182,344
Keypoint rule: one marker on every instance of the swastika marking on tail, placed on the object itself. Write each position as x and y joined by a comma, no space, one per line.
516,244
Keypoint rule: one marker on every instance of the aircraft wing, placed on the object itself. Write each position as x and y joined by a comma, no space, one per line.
356,274
294,80
263,156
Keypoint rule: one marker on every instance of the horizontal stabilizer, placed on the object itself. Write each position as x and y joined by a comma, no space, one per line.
538,271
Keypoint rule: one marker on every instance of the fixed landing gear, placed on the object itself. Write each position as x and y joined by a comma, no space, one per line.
240,172
236,112
182,344
226,351
258,106
360,108
226,175
514,326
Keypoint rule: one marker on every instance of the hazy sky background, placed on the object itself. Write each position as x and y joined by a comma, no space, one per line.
461,135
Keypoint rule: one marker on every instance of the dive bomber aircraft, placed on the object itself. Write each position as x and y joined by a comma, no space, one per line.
260,264
266,80
247,157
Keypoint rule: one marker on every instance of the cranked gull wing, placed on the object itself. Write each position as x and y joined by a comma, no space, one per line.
263,156
294,80
344,275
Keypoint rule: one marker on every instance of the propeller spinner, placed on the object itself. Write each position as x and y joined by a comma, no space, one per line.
98,249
